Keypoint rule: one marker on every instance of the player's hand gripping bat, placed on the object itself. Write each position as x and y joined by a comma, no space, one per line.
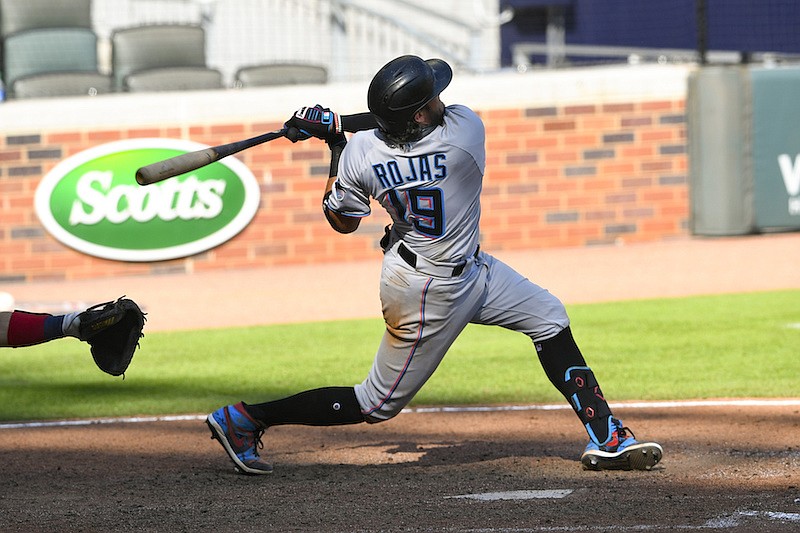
181,164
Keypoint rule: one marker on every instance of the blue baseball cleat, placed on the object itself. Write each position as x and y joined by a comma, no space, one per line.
240,435
621,452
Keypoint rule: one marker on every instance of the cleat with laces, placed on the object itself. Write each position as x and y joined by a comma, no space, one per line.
240,436
621,452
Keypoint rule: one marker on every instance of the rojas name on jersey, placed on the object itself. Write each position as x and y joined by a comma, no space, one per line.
427,167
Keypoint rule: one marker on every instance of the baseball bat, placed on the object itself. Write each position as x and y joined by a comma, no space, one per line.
175,166
181,164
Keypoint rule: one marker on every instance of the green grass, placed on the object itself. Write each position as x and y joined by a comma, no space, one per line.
742,345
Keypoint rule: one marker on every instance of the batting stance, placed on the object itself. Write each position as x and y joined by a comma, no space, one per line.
424,163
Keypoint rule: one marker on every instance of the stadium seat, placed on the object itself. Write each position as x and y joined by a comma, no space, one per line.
280,74
143,56
22,15
42,52
173,79
61,84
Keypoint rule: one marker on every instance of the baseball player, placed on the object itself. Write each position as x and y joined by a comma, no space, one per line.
424,163
112,329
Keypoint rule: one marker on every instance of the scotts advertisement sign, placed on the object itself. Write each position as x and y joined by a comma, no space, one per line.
92,203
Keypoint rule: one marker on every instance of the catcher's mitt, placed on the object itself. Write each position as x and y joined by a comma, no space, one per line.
113,330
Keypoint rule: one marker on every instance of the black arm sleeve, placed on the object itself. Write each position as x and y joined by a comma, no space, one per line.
359,122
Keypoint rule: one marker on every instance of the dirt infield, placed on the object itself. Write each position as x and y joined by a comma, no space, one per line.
731,468
727,466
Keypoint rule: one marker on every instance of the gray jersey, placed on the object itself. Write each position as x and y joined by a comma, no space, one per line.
431,188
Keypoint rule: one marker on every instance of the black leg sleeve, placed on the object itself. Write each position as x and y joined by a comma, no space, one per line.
567,371
558,354
328,406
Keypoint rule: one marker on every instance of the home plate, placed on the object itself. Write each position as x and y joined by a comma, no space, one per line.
515,495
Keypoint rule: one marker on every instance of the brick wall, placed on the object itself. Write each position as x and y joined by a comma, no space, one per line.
588,174
558,176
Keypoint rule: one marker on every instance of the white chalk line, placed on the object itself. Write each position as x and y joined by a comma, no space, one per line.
543,494
613,405
99,421
739,518
413,410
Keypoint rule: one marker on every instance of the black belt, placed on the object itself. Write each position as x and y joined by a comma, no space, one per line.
411,258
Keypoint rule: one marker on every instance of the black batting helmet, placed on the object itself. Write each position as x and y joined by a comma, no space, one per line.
404,86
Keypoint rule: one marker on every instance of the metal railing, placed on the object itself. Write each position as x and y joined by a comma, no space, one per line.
351,38
525,55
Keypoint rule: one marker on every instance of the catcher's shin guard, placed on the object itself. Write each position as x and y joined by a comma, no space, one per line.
566,369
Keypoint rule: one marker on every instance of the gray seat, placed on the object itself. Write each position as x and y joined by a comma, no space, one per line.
160,48
61,84
21,15
280,74
173,79
49,50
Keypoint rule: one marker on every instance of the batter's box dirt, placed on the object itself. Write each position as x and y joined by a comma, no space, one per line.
724,468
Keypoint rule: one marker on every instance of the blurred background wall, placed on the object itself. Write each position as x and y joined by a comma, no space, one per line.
608,121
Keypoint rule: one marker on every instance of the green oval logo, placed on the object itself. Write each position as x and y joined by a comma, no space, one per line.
92,203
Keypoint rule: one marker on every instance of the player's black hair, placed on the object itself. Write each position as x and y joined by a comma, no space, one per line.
401,88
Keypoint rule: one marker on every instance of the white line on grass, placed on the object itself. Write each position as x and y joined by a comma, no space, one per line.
462,409
619,405
94,421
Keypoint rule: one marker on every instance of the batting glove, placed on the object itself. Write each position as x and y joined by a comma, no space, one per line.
317,121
